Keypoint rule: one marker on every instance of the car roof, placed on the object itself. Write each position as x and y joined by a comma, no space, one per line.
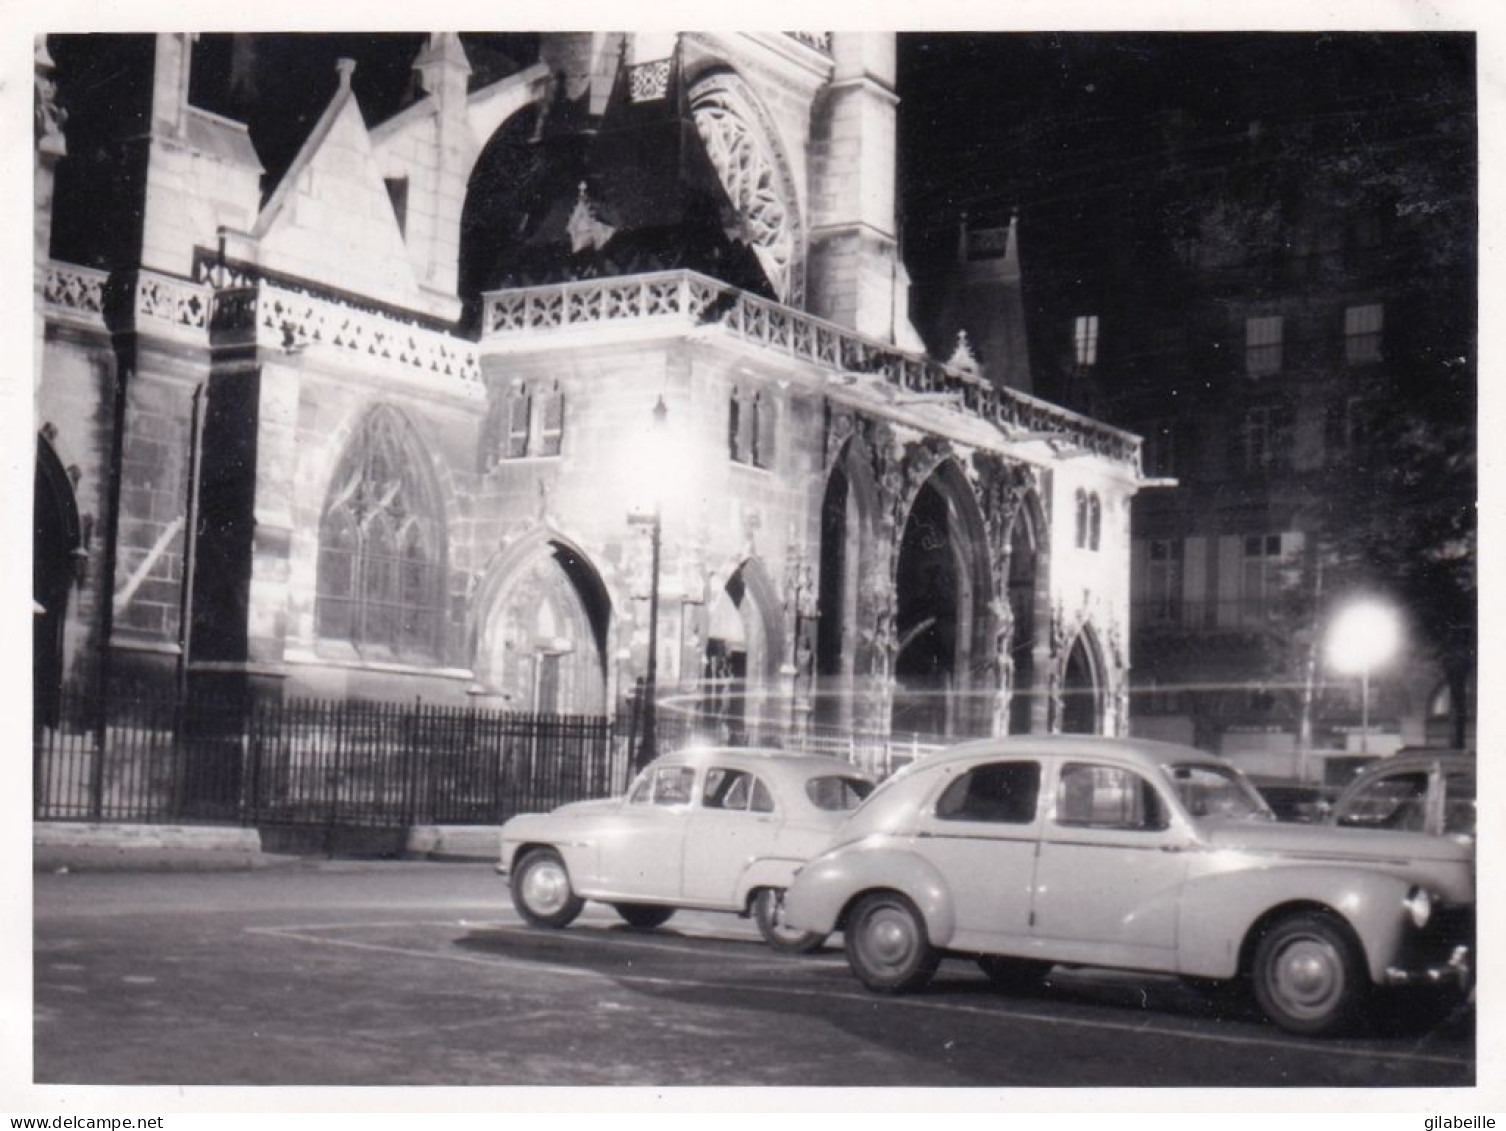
1414,759
782,762
1144,752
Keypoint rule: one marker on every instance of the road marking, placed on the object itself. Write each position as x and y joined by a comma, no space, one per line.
950,1007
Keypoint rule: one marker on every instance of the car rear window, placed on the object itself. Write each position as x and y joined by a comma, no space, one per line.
1396,801
836,793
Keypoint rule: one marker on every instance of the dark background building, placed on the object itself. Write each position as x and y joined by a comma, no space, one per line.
1259,252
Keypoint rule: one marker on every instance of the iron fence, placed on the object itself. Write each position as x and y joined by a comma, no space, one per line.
313,762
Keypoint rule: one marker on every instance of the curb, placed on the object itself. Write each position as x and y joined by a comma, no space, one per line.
64,846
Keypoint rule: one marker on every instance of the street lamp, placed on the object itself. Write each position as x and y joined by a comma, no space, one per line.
1363,636
653,454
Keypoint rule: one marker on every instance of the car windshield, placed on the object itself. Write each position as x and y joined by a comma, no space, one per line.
837,793
1215,791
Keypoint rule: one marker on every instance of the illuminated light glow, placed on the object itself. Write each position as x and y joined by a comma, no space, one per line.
1362,637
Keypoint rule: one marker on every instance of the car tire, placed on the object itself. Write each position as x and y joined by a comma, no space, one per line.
1309,975
768,913
1014,974
887,946
541,890
644,916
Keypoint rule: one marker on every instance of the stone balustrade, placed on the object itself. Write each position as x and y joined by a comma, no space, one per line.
78,292
693,300
278,318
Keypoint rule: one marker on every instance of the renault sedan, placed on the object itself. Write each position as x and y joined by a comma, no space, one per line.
712,829
1023,853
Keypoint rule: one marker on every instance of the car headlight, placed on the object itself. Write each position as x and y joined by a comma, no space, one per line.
1419,905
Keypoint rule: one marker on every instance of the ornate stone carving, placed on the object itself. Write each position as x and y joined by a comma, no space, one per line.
648,82
743,150
289,321
48,117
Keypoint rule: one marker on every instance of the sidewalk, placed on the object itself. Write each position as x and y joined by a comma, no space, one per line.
118,846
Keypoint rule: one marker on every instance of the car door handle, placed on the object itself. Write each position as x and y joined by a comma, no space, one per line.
1173,848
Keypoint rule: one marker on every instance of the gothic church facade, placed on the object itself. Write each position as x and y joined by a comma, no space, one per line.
405,422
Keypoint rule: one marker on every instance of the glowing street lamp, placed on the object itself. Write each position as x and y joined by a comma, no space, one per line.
1363,636
653,453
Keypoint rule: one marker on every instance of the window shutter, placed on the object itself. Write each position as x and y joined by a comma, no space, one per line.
551,433
734,427
763,414
517,426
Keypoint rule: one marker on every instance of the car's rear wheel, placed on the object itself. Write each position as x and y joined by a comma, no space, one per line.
1309,975
768,913
541,890
1013,973
643,915
887,946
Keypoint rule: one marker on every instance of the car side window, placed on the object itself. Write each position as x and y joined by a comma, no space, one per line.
672,785
999,793
763,800
1395,801
1459,804
736,789
1107,797
727,789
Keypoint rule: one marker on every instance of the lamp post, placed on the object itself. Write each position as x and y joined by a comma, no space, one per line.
649,743
1363,636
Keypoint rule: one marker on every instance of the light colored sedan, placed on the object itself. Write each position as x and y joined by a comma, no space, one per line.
713,829
1022,853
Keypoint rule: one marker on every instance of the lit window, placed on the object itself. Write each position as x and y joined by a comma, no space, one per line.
1362,333
1085,340
1263,346
380,579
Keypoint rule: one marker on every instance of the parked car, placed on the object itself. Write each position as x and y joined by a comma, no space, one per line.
1026,852
1429,791
714,829
1307,802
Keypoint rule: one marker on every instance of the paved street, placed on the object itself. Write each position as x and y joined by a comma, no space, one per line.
417,973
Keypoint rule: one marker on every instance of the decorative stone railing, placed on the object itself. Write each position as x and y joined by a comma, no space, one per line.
76,291
690,299
130,300
816,40
277,318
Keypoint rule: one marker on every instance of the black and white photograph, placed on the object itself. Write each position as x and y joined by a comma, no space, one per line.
819,563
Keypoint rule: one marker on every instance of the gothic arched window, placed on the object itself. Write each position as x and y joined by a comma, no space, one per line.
381,570
1095,520
1082,519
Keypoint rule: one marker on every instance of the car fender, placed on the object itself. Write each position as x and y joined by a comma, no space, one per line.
766,872
1221,907
566,838
825,888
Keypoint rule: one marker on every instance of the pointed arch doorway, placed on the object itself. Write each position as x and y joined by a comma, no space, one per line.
1082,687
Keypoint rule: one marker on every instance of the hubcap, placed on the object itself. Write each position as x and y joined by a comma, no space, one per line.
889,939
546,887
1308,976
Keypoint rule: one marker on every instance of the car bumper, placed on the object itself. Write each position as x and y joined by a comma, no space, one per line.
1457,972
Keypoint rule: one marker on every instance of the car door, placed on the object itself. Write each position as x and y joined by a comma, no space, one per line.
641,853
981,833
1111,867
736,822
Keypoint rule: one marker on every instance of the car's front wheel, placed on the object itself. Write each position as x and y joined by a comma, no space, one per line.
643,915
768,913
887,946
541,890
1309,975
1013,974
